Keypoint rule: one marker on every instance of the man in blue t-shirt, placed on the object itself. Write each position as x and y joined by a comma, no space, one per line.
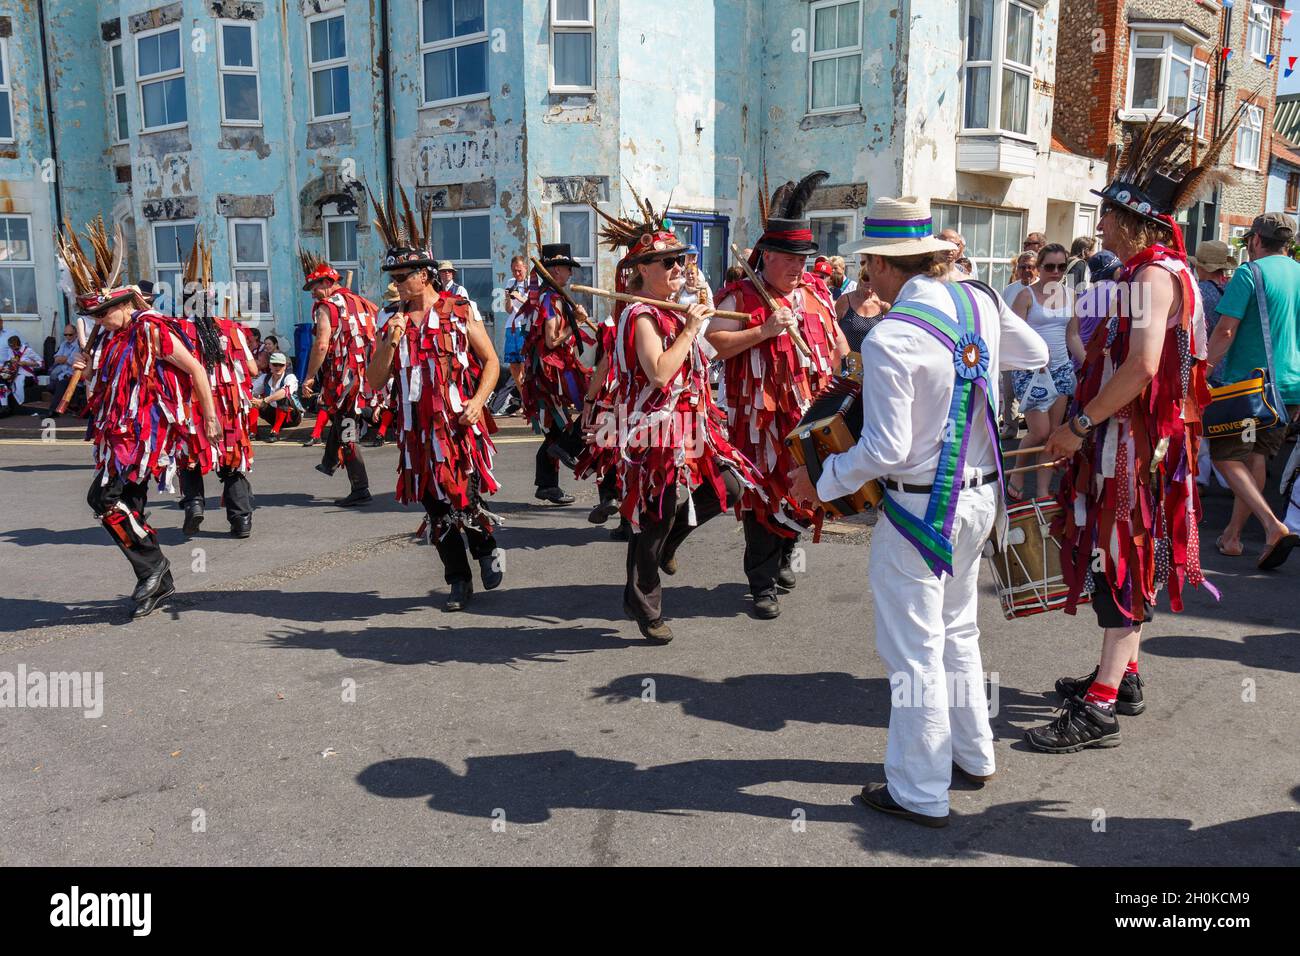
1236,349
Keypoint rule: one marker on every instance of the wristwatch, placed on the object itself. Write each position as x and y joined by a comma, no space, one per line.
1084,425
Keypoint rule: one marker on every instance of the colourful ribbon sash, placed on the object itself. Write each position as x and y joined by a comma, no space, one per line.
931,535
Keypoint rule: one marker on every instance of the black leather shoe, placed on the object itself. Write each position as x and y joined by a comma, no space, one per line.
603,512
623,532
556,496
193,518
491,568
786,578
325,470
876,796
312,443
374,441
161,592
461,593
766,607
360,496
150,584
272,438
241,527
562,456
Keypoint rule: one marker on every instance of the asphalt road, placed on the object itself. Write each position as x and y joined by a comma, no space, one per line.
304,700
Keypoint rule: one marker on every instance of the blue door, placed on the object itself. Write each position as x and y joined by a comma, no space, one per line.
710,235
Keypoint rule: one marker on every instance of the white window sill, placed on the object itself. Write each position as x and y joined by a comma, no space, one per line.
572,90
164,129
1004,134
852,108
456,101
247,124
329,119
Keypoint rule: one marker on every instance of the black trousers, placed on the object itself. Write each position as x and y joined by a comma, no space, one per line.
659,539
451,547
608,486
144,552
765,555
349,425
546,474
236,492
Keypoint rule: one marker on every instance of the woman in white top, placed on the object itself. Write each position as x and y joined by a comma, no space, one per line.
1047,305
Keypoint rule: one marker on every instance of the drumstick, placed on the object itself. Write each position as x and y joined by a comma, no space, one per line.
1015,471
761,286
1023,451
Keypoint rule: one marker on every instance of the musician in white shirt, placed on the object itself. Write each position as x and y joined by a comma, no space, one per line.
926,630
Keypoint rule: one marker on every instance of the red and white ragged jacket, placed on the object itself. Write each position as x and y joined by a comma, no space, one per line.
667,436
352,341
436,374
1130,492
232,391
767,388
554,379
141,417
598,459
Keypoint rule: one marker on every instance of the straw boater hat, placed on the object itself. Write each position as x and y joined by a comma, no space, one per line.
898,227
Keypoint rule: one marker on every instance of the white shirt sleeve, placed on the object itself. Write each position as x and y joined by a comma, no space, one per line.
473,311
886,440
1019,346
290,382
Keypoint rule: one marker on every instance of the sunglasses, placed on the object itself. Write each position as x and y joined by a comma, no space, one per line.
68,335
671,261
401,276
1052,267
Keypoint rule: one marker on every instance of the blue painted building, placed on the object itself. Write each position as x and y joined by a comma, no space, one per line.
257,121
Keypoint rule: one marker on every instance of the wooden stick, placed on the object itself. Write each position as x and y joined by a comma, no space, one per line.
670,306
78,374
761,286
1024,451
546,276
347,281
1016,471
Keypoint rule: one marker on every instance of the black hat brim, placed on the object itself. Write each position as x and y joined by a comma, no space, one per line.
571,263
411,264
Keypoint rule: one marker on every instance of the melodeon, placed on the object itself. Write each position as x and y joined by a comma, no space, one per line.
833,424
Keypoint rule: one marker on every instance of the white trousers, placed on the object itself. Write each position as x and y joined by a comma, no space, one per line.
927,635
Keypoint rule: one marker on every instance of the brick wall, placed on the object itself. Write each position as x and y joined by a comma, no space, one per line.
1246,198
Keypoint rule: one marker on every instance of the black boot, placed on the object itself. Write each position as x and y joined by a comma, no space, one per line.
461,593
556,496
607,508
359,496
193,518
766,607
623,532
785,578
491,568
1079,726
149,583
161,589
241,527
1129,703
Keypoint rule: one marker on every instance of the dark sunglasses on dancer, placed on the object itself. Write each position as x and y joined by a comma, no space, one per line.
678,260
400,277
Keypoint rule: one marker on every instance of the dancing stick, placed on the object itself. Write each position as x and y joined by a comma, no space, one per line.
77,374
1023,451
670,306
1016,471
761,286
546,276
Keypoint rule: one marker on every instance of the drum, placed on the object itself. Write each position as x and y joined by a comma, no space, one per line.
1027,565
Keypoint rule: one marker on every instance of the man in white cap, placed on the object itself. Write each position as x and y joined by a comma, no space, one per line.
929,435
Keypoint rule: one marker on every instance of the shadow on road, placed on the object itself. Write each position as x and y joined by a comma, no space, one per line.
1278,652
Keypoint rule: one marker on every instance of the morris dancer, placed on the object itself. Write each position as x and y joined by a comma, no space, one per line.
676,468
139,405
436,348
1129,492
930,434
221,346
599,459
769,383
555,380
344,340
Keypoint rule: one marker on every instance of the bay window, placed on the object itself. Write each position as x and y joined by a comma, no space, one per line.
998,72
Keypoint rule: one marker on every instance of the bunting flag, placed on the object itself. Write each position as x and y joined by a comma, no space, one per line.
1268,60
1226,53
1287,72
1284,16
1290,66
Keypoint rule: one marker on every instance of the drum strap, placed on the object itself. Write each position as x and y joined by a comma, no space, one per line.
971,400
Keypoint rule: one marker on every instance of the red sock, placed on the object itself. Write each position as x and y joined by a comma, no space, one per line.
1132,667
385,420
321,419
281,416
1101,695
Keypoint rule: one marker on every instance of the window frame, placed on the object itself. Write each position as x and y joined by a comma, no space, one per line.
592,261
1291,194
462,263
1247,127
849,215
332,64
28,263
1261,27
1167,58
997,64
255,71
341,265
1202,116
7,86
118,93
837,53
436,46
178,73
558,26
983,264
177,291
265,265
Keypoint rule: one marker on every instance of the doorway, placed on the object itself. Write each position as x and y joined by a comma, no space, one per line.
709,234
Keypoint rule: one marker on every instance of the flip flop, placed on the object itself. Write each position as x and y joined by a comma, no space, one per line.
1277,552
1225,552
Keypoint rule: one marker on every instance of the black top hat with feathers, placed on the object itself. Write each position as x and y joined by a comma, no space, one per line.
785,229
407,240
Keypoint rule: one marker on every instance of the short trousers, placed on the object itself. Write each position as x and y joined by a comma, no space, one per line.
1108,614
1062,379
513,353
1267,443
